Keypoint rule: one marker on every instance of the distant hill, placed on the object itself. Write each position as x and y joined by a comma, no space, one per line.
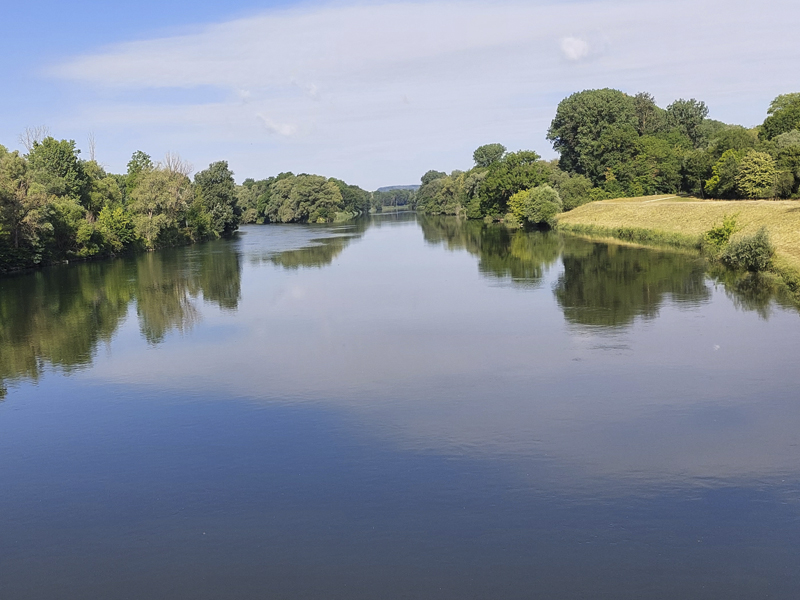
390,188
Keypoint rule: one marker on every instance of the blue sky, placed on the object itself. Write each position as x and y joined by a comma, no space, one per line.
375,93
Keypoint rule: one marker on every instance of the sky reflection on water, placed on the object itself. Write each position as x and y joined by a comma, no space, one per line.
403,406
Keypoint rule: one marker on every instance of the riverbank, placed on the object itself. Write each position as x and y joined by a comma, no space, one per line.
681,222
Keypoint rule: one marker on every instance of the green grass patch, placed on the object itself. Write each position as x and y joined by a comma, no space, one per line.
634,235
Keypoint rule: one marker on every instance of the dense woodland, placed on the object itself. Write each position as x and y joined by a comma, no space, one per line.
611,145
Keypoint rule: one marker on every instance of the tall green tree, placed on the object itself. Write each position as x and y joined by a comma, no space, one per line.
783,116
216,191
593,131
722,183
517,171
56,169
687,116
158,203
756,176
488,154
139,164
431,175
23,215
650,118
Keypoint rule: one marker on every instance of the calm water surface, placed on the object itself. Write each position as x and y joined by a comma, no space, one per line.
401,408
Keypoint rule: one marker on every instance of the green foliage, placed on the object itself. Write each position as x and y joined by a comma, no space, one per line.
23,211
650,118
696,168
597,194
216,191
290,198
101,188
138,164
304,199
395,197
628,146
537,206
446,195
487,155
355,201
54,206
724,174
750,253
432,175
116,226
687,116
756,176
515,172
788,163
56,169
157,204
783,116
575,190
718,236
732,138
593,130
788,139
656,170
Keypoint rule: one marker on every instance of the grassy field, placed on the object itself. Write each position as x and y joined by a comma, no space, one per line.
684,220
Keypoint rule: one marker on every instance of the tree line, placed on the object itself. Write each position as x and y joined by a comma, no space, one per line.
612,144
303,198
55,206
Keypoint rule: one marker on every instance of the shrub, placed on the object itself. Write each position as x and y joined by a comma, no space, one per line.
751,253
715,238
538,205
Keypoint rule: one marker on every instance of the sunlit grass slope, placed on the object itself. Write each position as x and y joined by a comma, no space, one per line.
686,219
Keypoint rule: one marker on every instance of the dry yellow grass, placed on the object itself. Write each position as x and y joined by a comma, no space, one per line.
693,217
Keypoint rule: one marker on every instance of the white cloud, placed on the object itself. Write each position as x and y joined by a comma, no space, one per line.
335,81
279,128
574,48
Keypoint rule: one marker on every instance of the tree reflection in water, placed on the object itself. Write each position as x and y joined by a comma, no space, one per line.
611,285
601,285
504,253
57,317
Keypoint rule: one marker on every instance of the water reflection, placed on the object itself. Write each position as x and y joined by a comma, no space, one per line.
504,253
293,247
610,285
753,291
602,285
400,419
57,317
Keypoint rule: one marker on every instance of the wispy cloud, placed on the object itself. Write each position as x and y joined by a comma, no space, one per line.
380,93
286,129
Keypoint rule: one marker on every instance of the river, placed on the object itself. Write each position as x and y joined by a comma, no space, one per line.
401,407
